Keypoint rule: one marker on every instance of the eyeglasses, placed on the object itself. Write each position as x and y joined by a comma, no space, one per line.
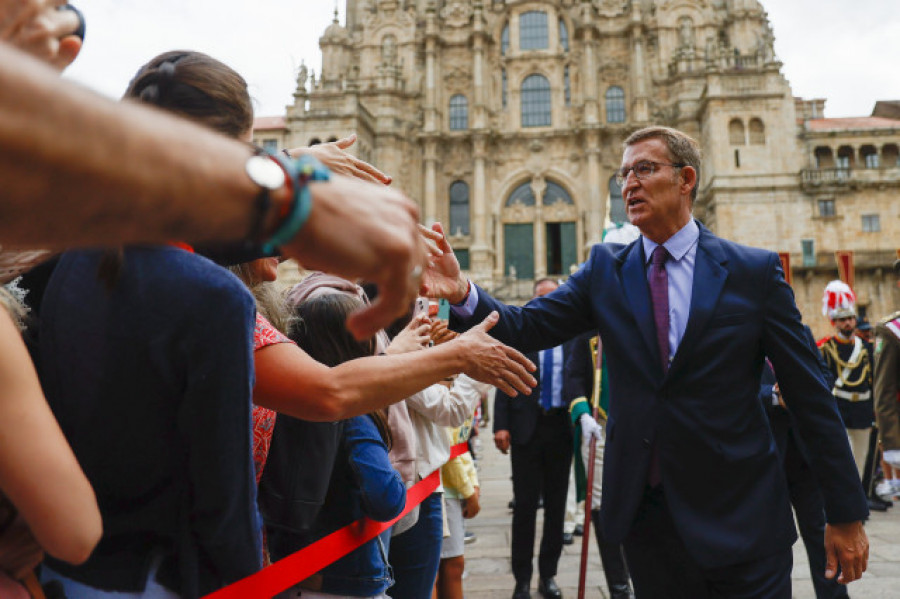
642,170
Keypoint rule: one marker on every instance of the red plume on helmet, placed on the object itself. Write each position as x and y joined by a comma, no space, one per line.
839,301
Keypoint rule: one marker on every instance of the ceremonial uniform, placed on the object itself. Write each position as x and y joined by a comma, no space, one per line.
851,365
887,382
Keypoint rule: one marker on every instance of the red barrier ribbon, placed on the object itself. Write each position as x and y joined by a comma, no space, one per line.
298,566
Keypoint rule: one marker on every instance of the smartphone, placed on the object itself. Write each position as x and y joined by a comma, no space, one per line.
421,307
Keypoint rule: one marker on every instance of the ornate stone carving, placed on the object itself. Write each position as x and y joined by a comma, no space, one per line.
610,8
456,13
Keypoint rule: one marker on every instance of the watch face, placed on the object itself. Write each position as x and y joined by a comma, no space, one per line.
265,172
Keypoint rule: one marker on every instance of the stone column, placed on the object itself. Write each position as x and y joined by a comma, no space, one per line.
480,252
596,198
640,109
538,186
430,199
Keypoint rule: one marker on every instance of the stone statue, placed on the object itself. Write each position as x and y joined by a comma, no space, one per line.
302,76
389,49
686,33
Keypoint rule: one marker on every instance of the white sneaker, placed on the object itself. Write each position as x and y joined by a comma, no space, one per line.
895,487
885,489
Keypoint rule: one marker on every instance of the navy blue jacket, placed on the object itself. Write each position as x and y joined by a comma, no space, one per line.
363,483
151,383
723,481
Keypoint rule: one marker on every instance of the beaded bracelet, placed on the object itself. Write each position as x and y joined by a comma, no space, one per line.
301,171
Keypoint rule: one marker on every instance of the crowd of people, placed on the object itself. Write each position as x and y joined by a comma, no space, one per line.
174,419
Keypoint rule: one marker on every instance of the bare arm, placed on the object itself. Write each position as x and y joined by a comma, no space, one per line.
38,471
291,382
79,169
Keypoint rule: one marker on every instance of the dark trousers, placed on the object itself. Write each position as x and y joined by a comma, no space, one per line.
808,504
661,567
541,464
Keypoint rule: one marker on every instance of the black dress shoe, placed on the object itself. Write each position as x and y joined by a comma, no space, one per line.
879,505
568,539
549,589
522,591
579,530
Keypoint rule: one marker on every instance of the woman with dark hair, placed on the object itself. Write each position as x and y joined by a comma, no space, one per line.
362,481
145,357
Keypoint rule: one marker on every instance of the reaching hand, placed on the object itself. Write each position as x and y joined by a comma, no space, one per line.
847,545
491,362
442,277
590,427
39,28
472,504
501,441
334,156
413,337
362,230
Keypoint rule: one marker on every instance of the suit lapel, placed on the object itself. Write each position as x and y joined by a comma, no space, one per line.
709,279
637,290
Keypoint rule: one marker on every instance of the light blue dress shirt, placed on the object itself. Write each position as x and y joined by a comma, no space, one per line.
682,248
556,388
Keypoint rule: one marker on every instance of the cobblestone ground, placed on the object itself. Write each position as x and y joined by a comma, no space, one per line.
488,574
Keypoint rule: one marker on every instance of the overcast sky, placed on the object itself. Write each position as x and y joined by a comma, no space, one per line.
843,51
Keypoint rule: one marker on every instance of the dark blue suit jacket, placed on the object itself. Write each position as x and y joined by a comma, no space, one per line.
723,481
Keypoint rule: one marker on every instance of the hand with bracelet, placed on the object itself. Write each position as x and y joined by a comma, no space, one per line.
347,227
47,29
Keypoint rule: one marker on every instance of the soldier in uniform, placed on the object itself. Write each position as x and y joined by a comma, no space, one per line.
585,389
887,387
849,361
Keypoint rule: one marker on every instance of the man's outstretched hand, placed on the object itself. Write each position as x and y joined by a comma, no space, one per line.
848,546
491,362
442,277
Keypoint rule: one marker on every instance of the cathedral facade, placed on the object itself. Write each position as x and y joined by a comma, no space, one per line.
504,120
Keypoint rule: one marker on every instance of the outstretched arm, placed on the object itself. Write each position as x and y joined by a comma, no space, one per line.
290,381
82,170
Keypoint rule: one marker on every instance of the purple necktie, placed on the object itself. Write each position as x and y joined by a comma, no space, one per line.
659,295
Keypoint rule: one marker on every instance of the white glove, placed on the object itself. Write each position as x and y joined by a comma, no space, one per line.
892,457
589,427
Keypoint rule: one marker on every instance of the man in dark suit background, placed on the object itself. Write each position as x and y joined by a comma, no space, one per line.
537,431
693,484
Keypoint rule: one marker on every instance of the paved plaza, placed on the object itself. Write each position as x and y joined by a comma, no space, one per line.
488,574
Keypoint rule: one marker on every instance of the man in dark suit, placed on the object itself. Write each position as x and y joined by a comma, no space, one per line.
692,481
536,430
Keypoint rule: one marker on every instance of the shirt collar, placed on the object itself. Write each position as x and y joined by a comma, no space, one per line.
678,244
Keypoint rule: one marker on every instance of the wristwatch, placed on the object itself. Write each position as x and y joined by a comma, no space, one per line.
270,174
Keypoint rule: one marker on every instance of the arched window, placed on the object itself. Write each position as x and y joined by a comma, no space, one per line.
459,208
504,40
757,132
504,85
567,86
845,157
533,31
617,212
536,103
824,157
615,105
555,193
314,141
459,113
563,35
870,156
736,132
521,195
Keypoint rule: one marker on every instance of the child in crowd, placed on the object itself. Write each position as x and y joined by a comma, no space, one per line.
362,481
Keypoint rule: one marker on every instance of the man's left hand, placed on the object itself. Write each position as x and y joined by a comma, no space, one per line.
846,544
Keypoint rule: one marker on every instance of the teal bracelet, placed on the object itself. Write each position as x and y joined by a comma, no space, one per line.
301,171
